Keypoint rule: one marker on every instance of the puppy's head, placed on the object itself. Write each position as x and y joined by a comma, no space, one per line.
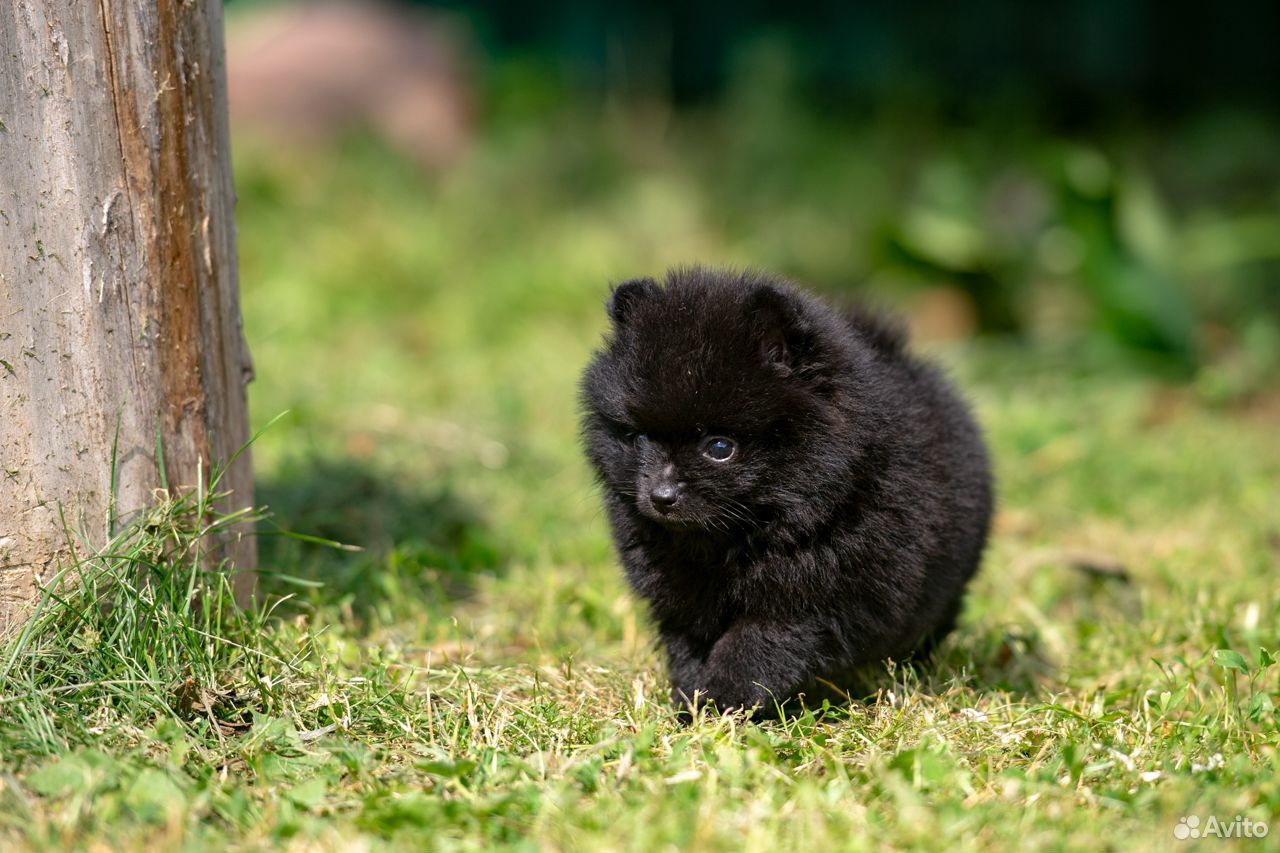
716,402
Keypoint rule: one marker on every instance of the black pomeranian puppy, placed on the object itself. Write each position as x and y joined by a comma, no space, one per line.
792,492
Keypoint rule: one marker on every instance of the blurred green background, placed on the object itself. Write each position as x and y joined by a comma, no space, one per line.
1077,206
1094,175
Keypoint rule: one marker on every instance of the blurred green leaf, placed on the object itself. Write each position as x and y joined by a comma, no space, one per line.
1229,659
66,776
154,797
923,767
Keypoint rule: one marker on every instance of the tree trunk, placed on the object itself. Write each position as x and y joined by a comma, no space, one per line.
119,309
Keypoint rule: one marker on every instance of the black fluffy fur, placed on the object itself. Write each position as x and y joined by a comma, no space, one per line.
851,515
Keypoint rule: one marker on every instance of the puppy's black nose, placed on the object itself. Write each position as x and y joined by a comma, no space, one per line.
665,496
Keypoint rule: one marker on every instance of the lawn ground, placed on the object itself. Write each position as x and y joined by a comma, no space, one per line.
478,676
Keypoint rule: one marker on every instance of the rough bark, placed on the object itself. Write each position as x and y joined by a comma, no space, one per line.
119,307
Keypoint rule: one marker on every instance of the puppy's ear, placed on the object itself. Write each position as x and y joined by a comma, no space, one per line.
787,339
627,295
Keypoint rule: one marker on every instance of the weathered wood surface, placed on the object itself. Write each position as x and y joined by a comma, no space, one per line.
119,304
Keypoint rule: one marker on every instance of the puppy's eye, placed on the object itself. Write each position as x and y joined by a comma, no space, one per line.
637,437
717,448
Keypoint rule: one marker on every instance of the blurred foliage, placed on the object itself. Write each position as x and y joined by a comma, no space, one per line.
1156,236
1069,57
1161,239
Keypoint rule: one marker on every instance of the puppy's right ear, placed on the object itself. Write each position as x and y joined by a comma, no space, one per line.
787,339
629,294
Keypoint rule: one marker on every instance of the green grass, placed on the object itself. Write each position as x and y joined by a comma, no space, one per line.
478,677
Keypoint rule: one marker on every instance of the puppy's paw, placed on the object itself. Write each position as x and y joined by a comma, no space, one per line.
721,698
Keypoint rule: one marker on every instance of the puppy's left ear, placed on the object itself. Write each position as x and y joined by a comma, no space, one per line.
787,338
627,295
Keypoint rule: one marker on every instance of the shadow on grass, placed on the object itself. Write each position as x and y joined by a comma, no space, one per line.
994,655
997,661
408,543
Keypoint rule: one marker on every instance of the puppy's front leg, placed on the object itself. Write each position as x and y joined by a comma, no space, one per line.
685,666
757,663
